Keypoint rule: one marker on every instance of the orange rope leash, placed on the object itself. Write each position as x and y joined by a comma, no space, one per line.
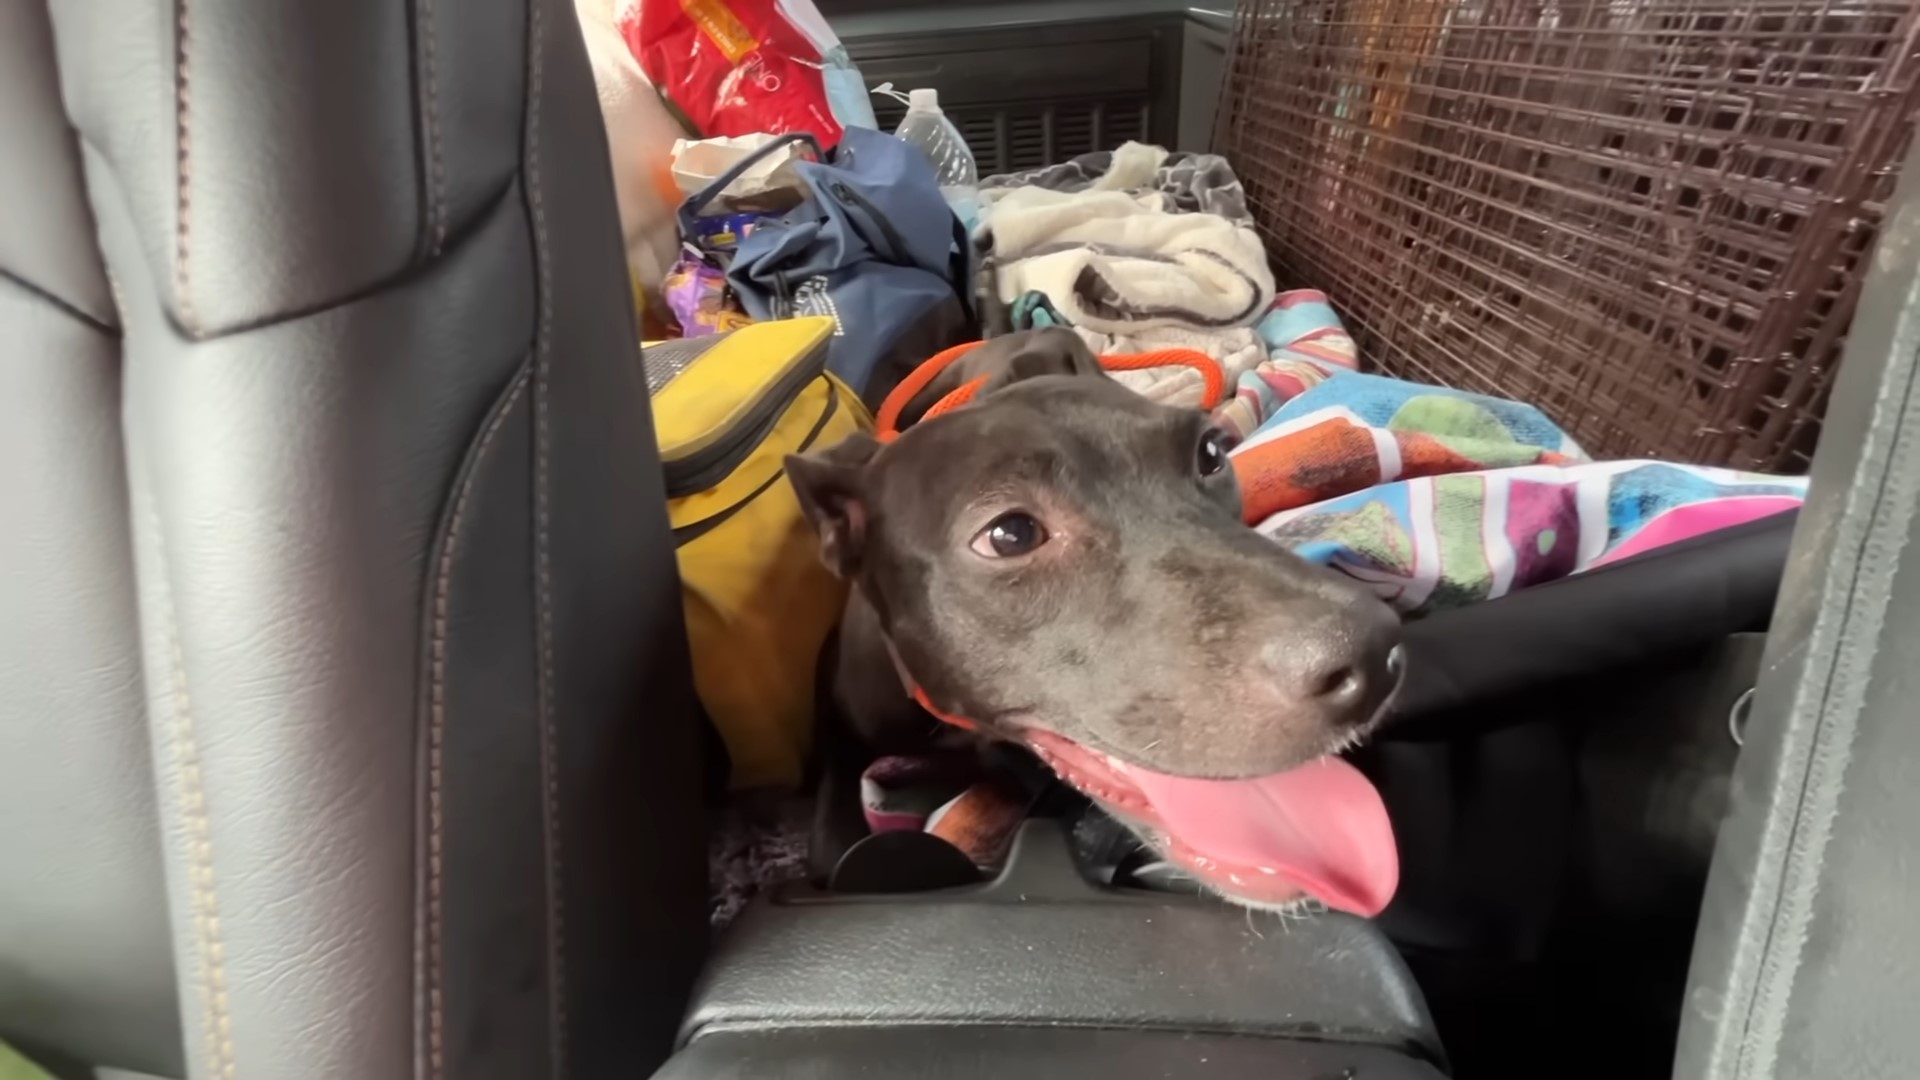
887,422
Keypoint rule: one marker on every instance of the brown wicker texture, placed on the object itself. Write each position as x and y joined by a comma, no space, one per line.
1649,217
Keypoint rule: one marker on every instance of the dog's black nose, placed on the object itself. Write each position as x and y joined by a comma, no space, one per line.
1350,678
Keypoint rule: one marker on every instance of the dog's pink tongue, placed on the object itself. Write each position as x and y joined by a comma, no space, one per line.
1321,825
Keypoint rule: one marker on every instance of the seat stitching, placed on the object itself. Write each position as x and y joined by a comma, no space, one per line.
436,173
183,144
216,1015
488,204
436,730
549,750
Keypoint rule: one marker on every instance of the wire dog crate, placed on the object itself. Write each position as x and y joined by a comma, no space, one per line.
1649,217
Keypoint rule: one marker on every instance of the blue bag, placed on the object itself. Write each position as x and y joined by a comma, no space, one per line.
873,245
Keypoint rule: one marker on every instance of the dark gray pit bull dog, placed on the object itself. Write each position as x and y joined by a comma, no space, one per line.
1063,563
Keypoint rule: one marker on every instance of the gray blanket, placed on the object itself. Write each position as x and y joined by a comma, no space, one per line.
1196,183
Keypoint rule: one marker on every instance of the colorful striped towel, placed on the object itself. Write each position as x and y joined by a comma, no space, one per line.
1437,498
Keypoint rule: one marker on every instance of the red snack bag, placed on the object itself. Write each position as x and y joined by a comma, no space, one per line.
731,67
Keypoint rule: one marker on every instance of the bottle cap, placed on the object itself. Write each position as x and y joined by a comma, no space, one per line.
925,98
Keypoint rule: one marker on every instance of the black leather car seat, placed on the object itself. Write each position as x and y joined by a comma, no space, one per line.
344,710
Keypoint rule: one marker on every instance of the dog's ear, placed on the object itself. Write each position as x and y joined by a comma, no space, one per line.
830,485
1053,351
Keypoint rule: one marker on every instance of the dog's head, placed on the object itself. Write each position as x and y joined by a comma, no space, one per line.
1063,563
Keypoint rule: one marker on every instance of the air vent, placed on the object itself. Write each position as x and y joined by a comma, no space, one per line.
1029,135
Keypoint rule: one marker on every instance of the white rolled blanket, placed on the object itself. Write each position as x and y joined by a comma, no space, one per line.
1118,263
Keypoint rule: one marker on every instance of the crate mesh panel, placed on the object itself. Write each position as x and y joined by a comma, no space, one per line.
1650,217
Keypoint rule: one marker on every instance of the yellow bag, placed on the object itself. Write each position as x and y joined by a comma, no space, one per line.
759,601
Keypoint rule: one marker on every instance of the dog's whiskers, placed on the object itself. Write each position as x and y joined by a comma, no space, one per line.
1347,742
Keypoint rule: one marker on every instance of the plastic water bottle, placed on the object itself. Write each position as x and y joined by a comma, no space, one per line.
926,127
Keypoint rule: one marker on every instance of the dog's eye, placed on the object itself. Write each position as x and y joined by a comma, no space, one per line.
1213,452
1010,535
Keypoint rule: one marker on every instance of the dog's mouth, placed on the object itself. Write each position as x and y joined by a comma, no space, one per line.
1317,831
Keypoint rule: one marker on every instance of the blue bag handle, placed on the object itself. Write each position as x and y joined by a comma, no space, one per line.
690,210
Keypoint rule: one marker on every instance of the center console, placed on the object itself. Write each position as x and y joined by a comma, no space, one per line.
1041,973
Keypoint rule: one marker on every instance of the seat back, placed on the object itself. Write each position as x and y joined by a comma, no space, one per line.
86,968
345,719
1807,960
